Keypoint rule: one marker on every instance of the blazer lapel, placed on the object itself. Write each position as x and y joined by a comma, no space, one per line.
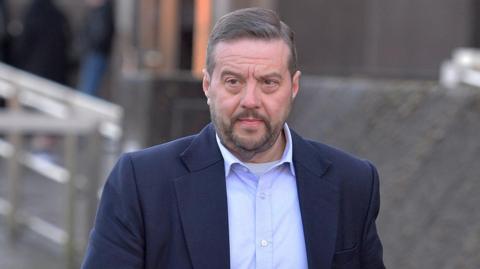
318,197
202,202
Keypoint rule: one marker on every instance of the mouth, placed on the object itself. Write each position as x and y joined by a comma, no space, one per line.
250,122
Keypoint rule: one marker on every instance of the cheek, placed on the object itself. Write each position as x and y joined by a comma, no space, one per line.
277,107
227,105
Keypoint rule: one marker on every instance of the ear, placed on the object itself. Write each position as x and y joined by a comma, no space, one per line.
295,84
206,82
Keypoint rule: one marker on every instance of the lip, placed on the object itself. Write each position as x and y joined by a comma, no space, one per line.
250,122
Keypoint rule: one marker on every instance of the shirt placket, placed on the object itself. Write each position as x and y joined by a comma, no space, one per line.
263,225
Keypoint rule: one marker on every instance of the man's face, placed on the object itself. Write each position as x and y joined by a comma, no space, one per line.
250,93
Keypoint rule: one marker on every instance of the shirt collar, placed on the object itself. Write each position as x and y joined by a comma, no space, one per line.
230,159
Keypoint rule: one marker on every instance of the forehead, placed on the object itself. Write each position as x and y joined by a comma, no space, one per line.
256,53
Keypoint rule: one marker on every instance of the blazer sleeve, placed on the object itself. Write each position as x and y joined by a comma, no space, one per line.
371,249
117,239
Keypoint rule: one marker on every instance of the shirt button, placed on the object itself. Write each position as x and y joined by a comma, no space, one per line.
263,243
262,195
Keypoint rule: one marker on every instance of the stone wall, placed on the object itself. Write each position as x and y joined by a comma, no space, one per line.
425,142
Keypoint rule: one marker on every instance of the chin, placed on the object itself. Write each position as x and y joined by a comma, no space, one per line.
250,143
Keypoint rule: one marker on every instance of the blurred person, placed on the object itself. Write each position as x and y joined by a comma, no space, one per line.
43,45
247,191
4,35
42,48
96,44
4,38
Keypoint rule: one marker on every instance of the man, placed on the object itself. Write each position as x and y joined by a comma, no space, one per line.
43,46
96,43
4,34
246,192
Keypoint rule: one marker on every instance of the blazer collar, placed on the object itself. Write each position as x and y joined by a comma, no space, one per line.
203,151
306,155
202,203
319,202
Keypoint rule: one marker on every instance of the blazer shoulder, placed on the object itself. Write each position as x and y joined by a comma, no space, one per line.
162,151
356,178
339,156
159,162
355,172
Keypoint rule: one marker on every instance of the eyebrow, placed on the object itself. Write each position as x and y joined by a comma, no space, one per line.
271,75
229,72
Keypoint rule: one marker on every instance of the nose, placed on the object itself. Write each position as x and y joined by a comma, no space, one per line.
250,98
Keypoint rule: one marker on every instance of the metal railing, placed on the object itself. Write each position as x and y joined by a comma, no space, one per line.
36,106
462,68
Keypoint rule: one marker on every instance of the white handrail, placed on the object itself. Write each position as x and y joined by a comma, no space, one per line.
59,100
464,67
61,111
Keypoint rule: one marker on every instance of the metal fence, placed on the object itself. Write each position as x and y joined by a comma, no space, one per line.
35,106
462,68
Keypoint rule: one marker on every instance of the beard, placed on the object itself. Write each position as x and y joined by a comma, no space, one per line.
246,146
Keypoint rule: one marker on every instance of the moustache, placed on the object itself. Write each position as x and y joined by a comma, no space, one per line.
252,114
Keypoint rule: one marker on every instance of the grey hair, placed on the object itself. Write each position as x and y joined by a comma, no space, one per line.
255,23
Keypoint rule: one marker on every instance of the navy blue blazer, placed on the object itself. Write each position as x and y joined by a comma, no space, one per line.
166,207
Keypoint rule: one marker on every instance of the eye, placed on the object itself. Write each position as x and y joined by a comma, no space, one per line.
270,85
232,82
270,82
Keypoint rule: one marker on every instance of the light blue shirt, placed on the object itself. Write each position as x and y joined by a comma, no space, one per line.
264,220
